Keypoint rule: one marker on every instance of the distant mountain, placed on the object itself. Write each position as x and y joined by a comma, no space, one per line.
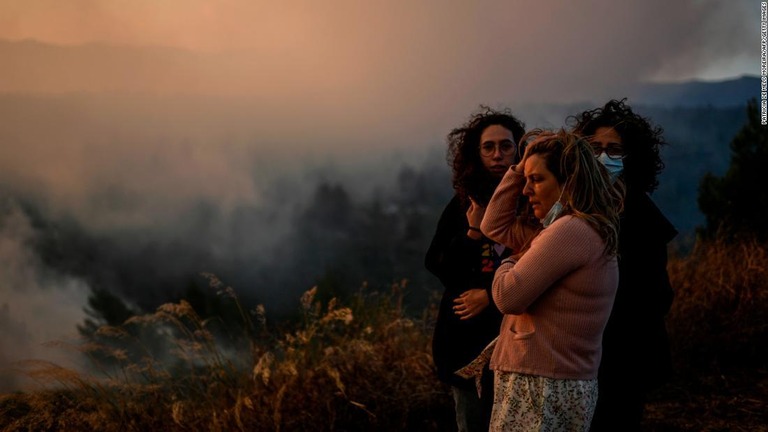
31,66
726,93
699,117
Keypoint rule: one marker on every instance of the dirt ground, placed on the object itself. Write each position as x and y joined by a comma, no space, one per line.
733,401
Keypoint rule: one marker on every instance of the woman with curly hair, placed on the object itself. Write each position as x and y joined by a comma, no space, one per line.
480,152
636,356
556,293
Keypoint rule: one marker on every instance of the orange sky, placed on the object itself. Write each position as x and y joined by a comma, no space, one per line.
191,24
475,46
125,115
314,76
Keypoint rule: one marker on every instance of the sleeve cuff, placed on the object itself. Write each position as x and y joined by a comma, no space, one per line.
509,260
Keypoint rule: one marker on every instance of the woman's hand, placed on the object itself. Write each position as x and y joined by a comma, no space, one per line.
475,214
470,303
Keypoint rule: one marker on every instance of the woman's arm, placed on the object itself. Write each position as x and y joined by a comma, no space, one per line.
502,223
554,253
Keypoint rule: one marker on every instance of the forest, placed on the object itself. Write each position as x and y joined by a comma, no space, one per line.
328,327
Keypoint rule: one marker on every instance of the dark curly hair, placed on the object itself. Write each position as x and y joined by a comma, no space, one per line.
640,139
470,178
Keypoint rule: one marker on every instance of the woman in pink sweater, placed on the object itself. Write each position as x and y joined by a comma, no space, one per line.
557,295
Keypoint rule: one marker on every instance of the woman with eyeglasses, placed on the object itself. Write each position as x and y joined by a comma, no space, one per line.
636,355
480,152
556,292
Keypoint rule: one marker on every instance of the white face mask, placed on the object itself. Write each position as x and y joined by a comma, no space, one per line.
614,166
553,212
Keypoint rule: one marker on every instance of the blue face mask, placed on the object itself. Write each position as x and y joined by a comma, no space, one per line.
553,212
614,166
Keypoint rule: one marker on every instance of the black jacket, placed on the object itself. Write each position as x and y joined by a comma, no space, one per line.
635,341
461,264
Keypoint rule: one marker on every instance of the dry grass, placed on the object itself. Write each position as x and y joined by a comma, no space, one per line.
364,366
718,333
367,365
734,402
718,313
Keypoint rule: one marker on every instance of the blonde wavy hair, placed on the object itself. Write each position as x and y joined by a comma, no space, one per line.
588,192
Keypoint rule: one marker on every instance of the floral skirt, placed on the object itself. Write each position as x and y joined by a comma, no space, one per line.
535,403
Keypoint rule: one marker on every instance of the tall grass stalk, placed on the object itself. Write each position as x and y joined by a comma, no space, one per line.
720,301
367,365
362,366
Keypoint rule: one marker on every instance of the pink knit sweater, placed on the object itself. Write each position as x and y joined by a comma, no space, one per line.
501,222
556,298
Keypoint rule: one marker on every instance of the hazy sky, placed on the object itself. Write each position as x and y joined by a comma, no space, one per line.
126,114
112,106
429,50
383,71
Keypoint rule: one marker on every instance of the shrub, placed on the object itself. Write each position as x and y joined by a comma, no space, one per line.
363,366
721,293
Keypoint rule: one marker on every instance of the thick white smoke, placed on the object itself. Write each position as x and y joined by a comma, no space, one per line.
37,305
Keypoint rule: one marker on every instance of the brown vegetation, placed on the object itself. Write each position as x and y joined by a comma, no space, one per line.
367,365
718,334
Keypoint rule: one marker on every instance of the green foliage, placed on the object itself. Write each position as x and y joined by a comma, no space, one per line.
736,204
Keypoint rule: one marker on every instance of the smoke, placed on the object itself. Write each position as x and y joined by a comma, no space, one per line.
200,99
37,305
379,59
152,189
152,139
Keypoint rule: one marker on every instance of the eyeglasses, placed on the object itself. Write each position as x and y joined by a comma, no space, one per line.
613,151
506,148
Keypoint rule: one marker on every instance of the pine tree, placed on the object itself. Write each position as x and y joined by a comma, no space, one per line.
736,204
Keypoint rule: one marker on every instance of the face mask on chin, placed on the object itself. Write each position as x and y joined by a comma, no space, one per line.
553,212
614,166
